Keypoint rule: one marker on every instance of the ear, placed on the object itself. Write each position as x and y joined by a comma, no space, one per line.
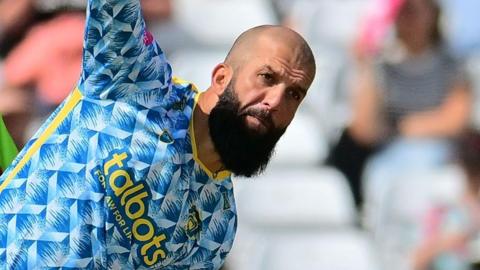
221,77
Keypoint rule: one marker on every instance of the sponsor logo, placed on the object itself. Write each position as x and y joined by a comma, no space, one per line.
128,202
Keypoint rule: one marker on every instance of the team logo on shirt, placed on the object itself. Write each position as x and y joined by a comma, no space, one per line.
194,223
180,105
166,137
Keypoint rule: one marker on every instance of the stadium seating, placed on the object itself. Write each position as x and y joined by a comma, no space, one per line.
298,219
218,22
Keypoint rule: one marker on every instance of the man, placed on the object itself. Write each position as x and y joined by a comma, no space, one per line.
133,169
8,150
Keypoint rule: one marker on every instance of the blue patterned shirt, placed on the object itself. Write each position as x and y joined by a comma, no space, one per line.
112,179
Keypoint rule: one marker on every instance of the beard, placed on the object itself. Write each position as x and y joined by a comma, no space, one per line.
243,150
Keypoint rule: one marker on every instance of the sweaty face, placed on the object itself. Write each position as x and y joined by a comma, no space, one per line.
243,149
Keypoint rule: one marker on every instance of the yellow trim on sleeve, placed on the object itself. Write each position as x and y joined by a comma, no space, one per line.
62,114
177,80
215,176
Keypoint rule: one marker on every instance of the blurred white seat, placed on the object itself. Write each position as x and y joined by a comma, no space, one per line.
329,96
312,198
219,22
396,215
424,190
331,23
196,66
303,144
298,219
347,249
343,250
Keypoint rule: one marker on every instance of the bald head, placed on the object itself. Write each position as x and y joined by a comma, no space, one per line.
249,43
259,87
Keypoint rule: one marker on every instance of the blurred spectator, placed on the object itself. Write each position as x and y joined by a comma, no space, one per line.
157,10
379,17
449,229
410,99
49,58
47,61
15,18
413,81
55,6
414,91
350,153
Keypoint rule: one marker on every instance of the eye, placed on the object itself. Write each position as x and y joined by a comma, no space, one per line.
268,78
295,95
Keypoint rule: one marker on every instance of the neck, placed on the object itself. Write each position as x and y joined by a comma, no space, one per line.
205,147
418,47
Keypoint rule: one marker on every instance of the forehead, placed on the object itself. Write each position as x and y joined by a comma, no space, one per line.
283,56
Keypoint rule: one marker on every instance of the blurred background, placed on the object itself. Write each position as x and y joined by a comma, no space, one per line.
378,169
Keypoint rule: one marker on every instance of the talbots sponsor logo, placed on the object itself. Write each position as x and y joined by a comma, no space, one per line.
128,202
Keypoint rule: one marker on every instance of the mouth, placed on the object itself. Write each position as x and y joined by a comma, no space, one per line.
258,124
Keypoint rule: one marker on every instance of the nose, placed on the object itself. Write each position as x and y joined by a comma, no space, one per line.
274,102
273,98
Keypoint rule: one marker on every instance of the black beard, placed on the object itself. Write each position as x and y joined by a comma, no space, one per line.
243,151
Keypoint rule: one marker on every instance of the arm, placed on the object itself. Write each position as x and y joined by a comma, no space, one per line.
446,121
367,124
426,253
120,56
446,231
